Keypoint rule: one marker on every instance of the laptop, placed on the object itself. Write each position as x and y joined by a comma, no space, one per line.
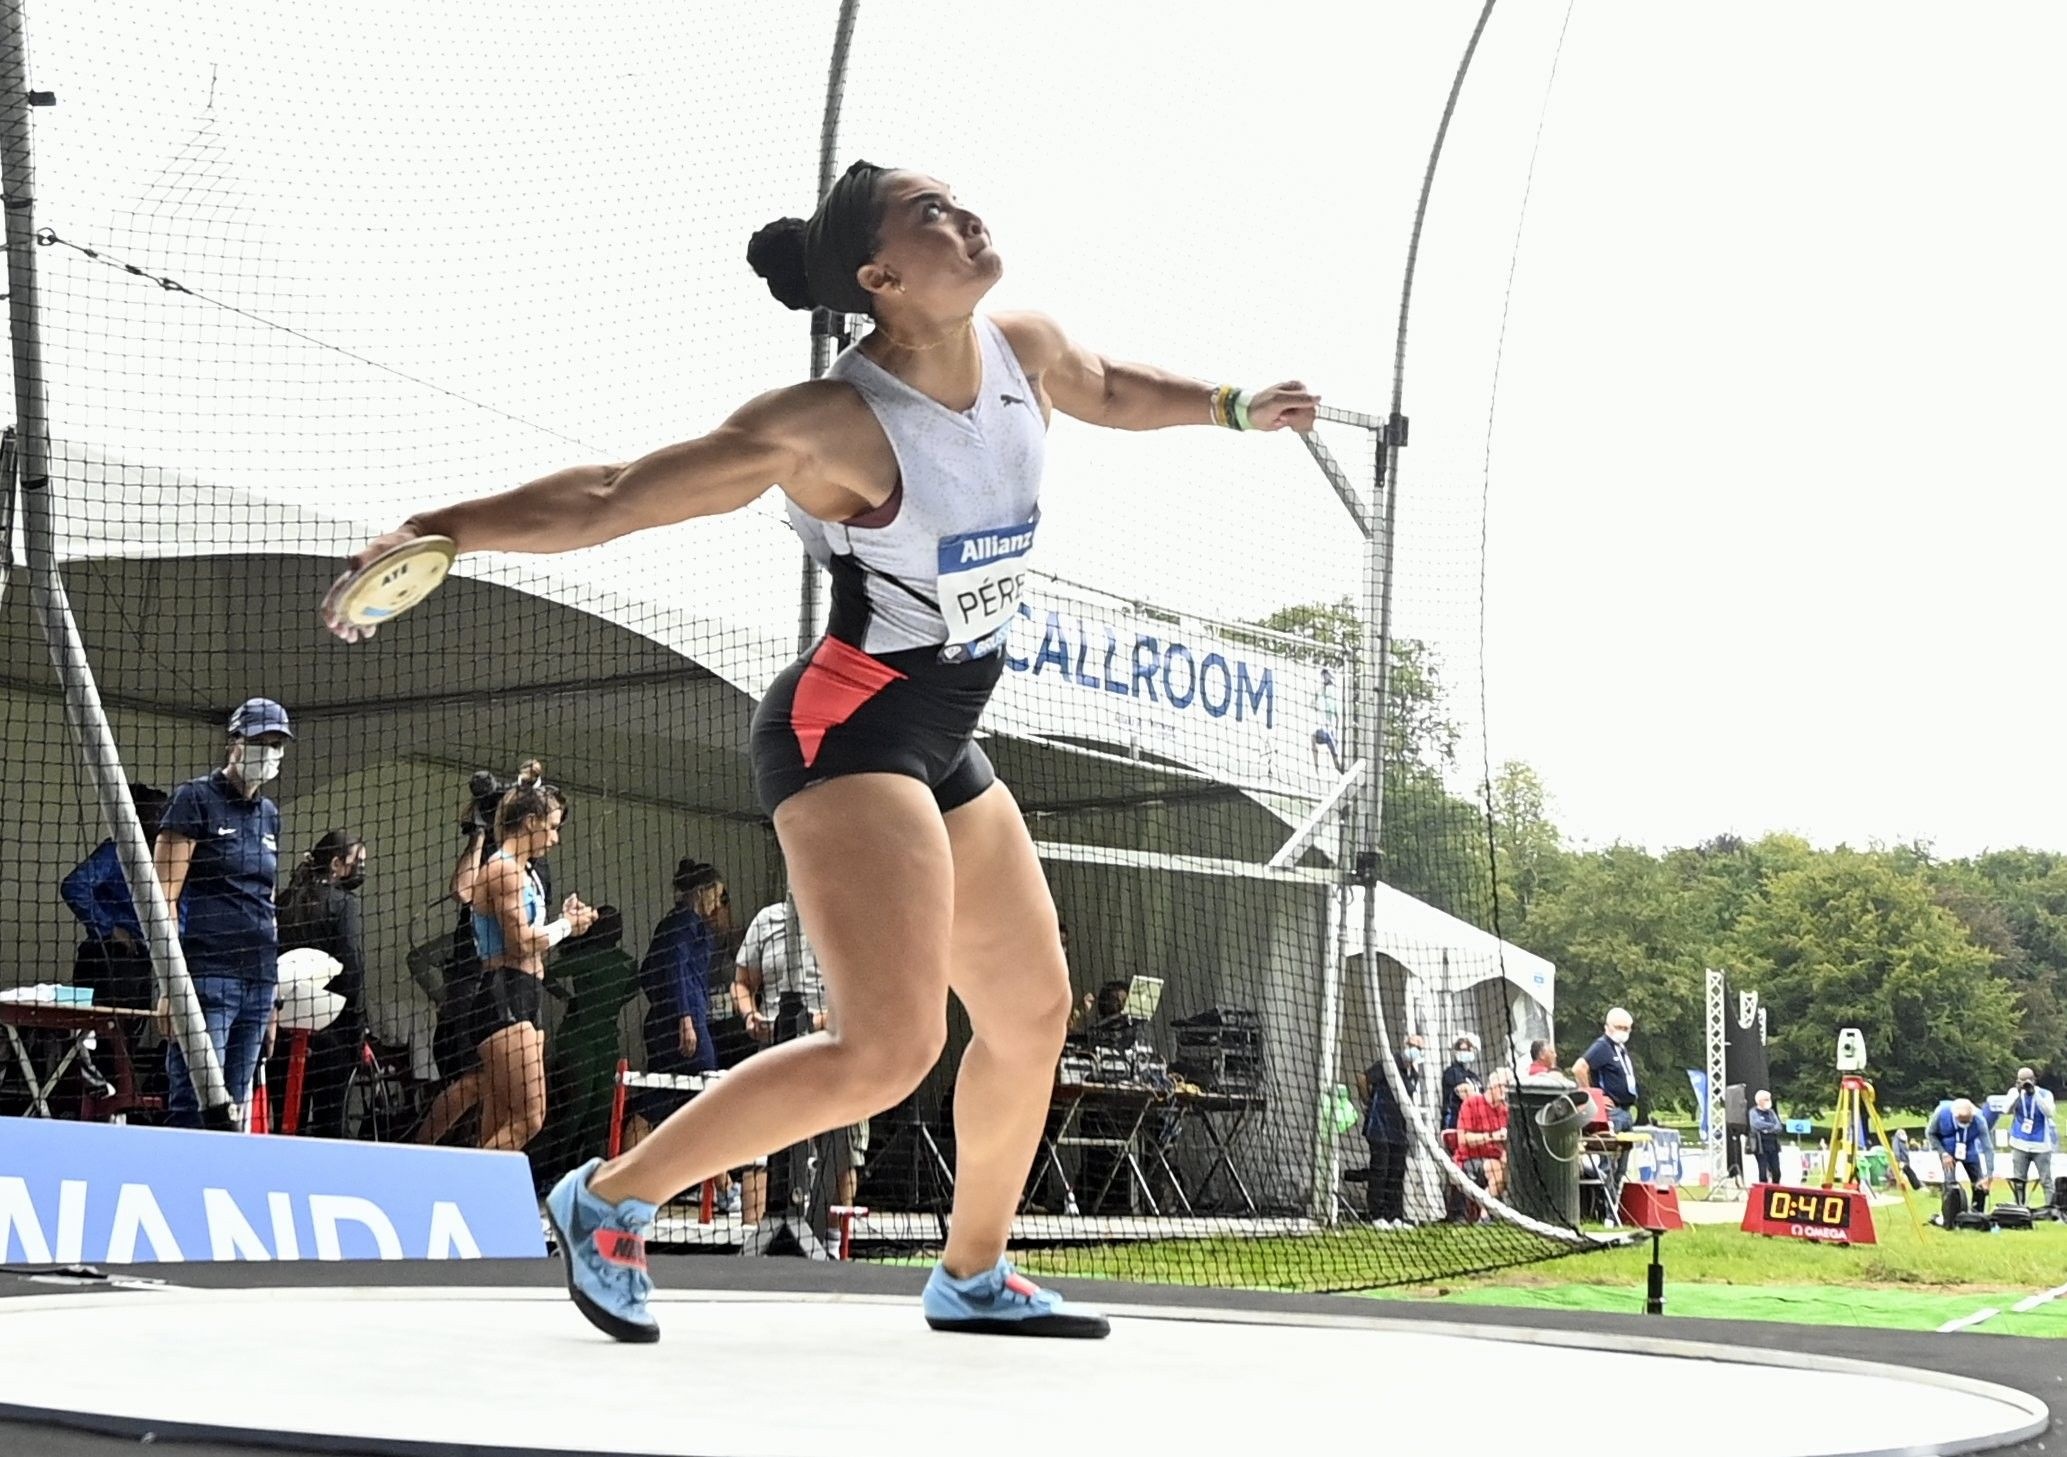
1144,995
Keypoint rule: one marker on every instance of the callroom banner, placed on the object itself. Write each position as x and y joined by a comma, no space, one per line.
1135,680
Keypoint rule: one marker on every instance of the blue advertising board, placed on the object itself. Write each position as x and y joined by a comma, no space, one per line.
94,1192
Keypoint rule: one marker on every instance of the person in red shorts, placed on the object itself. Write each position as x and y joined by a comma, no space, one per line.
1482,1133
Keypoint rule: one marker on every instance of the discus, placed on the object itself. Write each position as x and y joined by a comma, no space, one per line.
394,581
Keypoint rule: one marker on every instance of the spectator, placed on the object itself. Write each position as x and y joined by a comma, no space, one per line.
513,937
114,961
1960,1138
1459,1080
1765,1137
675,975
217,856
320,908
1386,1132
1482,1133
2034,1135
1606,1065
1543,1058
1102,1008
596,978
767,968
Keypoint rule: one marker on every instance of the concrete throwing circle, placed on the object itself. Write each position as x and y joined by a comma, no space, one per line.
424,1370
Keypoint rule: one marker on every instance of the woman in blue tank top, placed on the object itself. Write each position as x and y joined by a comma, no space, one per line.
513,936
912,473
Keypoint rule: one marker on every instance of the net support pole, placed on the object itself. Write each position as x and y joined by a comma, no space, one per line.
1718,1075
1364,863
802,1222
84,715
828,328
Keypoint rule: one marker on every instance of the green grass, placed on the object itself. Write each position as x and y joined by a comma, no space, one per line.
1875,1308
1912,1279
1932,1259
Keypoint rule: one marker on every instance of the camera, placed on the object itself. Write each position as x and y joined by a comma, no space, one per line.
485,789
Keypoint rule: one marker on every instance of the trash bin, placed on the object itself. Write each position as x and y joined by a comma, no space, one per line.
1543,1152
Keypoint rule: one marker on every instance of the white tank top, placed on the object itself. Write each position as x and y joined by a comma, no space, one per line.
942,562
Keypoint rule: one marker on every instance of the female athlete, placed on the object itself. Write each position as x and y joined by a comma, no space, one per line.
912,472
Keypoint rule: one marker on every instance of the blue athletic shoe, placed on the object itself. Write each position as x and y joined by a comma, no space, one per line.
1003,1302
604,1246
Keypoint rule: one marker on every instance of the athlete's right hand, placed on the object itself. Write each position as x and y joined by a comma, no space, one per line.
579,916
351,632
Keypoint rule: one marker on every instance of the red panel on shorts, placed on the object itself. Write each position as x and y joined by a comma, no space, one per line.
838,681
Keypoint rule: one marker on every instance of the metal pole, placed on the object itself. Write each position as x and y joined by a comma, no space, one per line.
83,712
1717,1106
1378,555
828,328
803,1219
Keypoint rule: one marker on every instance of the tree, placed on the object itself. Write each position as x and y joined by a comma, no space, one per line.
1434,845
1849,940
1526,845
1624,929
2021,894
1418,727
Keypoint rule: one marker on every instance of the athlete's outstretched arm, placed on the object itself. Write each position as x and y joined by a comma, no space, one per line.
783,437
1124,396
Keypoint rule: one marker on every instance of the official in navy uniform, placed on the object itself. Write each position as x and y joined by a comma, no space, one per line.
217,856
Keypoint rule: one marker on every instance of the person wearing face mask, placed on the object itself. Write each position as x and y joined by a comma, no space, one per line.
1460,1078
1385,1131
320,908
1765,1136
217,856
1606,1065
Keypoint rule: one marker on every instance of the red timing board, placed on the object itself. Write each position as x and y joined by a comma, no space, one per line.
1833,1216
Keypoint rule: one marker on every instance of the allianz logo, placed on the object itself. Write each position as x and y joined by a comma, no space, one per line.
984,548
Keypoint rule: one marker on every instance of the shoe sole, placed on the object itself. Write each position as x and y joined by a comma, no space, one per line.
1066,1327
615,1327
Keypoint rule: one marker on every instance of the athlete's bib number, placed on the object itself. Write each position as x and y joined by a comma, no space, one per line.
982,575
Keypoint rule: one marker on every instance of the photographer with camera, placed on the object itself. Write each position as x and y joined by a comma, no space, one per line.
2034,1134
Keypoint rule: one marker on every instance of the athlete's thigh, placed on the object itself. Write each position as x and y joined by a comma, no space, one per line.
504,1056
873,876
1007,957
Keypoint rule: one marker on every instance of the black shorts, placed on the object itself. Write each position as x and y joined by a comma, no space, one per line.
506,997
838,711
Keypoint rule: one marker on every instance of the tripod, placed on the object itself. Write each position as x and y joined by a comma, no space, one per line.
1857,1110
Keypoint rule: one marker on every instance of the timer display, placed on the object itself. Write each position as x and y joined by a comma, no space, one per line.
1832,1216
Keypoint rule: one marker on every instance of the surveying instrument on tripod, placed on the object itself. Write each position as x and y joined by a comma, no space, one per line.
1839,1210
1856,1111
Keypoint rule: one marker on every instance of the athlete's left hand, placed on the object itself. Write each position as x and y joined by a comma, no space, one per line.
1283,406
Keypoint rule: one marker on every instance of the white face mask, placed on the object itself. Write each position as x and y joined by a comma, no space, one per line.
1466,1056
259,764
1618,1038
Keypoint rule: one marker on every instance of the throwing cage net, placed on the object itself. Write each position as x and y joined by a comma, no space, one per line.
303,270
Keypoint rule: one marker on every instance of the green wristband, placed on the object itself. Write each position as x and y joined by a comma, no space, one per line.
1238,410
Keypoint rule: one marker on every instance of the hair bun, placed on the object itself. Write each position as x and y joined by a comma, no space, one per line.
776,254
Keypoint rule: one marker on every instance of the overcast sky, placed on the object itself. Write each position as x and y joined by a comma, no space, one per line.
1772,499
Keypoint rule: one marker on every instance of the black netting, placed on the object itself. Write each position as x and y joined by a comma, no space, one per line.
307,269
